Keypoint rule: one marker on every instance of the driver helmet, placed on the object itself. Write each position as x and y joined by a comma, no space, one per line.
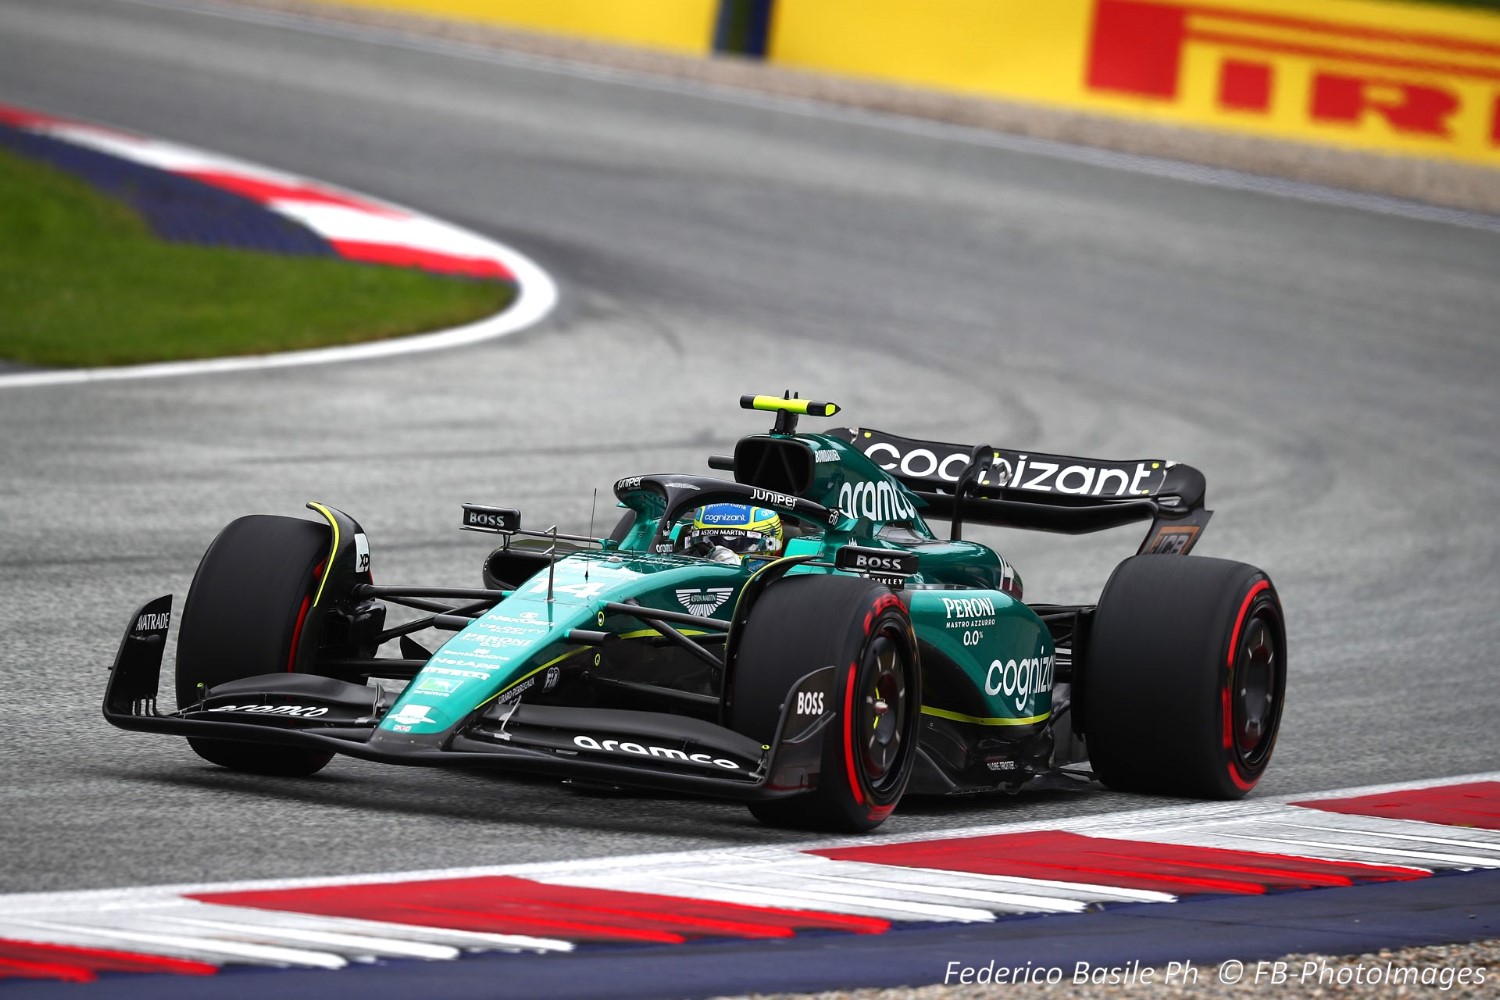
742,529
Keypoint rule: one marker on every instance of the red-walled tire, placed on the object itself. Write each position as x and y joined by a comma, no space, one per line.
247,613
1185,680
807,622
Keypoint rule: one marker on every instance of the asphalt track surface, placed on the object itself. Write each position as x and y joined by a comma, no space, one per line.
1332,371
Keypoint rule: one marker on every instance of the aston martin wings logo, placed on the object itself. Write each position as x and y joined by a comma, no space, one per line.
703,602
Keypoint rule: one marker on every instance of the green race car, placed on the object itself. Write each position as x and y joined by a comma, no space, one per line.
797,637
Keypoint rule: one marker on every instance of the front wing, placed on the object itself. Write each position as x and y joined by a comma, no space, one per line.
653,750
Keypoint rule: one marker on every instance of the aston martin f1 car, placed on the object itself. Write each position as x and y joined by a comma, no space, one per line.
868,657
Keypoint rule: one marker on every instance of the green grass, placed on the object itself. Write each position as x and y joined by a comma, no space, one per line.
83,282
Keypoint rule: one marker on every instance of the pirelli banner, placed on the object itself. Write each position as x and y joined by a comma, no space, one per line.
1405,78
1413,78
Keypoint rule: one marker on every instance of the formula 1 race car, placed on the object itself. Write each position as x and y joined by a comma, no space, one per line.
861,657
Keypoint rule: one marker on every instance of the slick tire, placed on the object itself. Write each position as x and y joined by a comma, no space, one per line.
807,622
247,613
1186,677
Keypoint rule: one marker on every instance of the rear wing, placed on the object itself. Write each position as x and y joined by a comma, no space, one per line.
1037,491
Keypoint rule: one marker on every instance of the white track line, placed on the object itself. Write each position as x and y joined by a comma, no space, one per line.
185,946
382,222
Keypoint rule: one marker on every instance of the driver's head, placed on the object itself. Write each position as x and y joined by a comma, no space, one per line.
738,527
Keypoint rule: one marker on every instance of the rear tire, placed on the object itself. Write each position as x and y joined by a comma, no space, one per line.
1186,677
248,613
807,622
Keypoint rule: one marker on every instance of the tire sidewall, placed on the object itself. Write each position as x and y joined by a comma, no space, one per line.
1260,603
866,801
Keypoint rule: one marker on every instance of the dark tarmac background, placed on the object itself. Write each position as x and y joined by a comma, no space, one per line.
1332,371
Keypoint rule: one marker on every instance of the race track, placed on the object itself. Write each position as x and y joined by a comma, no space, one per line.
1332,371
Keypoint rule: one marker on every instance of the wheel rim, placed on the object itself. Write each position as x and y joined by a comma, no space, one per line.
1255,697
881,722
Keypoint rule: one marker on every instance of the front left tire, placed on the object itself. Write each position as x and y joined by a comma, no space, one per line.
806,622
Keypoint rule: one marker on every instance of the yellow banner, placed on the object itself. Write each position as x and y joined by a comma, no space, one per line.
1385,77
672,25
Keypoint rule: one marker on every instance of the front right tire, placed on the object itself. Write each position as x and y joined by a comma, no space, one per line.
249,612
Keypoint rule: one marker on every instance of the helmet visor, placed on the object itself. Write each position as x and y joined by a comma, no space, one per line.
737,540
